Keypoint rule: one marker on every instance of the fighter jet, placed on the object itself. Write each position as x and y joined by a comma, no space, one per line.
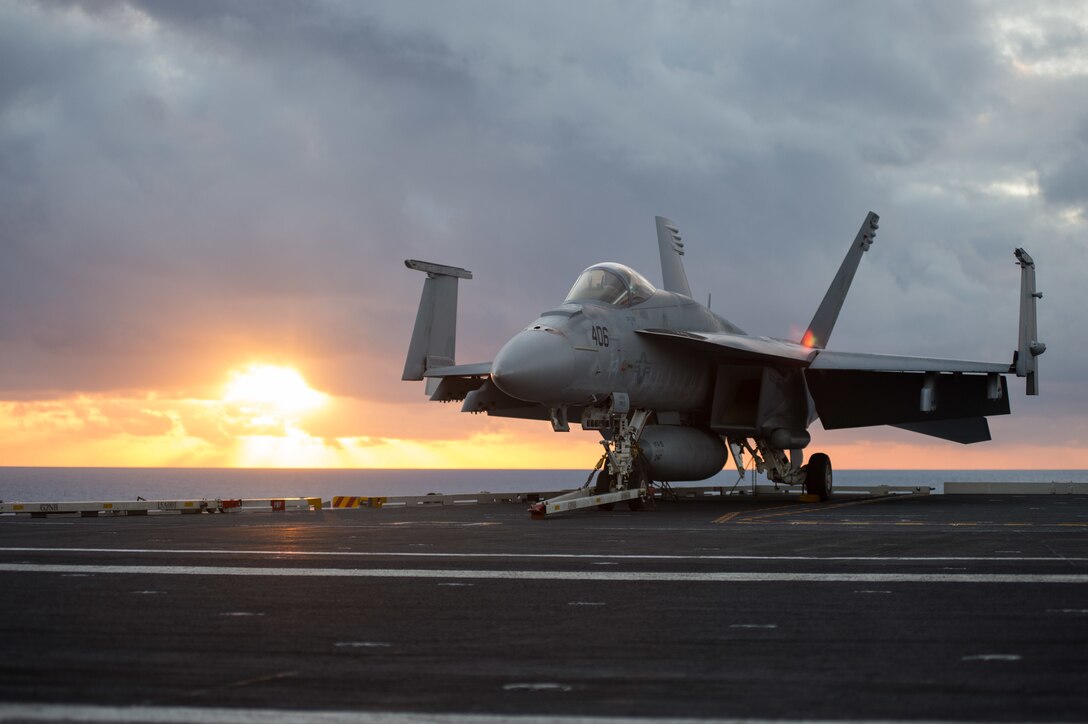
675,389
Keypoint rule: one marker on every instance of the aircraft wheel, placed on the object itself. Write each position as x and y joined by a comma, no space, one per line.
818,476
604,485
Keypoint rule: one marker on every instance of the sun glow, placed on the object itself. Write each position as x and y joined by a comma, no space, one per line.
276,390
264,406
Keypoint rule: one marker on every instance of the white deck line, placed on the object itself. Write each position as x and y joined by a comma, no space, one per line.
522,575
209,715
545,556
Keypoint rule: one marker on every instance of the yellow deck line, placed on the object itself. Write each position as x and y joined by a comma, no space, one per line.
800,508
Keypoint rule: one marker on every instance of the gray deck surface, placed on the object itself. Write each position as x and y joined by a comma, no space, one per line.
939,607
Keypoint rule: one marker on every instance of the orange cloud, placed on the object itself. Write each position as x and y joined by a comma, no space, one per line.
277,426
152,431
268,416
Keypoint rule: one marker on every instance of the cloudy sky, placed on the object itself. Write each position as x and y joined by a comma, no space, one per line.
205,206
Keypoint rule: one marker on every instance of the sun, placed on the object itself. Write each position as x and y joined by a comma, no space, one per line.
272,388
265,408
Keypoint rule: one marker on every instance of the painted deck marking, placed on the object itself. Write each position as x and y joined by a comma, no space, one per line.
212,715
642,576
801,508
557,556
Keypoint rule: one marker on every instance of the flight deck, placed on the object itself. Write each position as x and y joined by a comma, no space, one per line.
910,607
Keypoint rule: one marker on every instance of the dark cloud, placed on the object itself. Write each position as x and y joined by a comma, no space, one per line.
186,185
1068,183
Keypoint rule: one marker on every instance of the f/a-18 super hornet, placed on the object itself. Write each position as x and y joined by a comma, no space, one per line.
674,389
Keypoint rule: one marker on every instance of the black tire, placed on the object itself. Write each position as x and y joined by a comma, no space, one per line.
818,476
604,485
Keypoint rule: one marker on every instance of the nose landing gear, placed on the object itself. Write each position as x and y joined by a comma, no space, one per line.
622,476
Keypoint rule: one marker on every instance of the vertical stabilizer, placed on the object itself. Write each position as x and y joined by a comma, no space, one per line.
434,337
819,329
1029,347
672,249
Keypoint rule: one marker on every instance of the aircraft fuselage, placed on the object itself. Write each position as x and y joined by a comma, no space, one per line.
581,352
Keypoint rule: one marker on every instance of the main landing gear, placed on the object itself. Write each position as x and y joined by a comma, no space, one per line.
787,470
818,476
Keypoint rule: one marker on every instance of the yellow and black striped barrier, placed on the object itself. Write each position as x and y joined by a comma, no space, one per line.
357,501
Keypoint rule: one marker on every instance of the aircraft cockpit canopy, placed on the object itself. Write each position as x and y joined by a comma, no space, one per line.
611,283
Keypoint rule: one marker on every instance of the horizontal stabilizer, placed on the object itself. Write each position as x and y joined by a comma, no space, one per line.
453,389
490,399
438,269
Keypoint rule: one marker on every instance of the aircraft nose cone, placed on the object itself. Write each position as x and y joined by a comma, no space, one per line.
535,366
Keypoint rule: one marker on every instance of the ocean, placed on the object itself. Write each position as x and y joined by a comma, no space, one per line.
64,484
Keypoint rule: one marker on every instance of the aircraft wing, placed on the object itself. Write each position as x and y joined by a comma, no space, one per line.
944,398
949,399
471,384
827,360
452,383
